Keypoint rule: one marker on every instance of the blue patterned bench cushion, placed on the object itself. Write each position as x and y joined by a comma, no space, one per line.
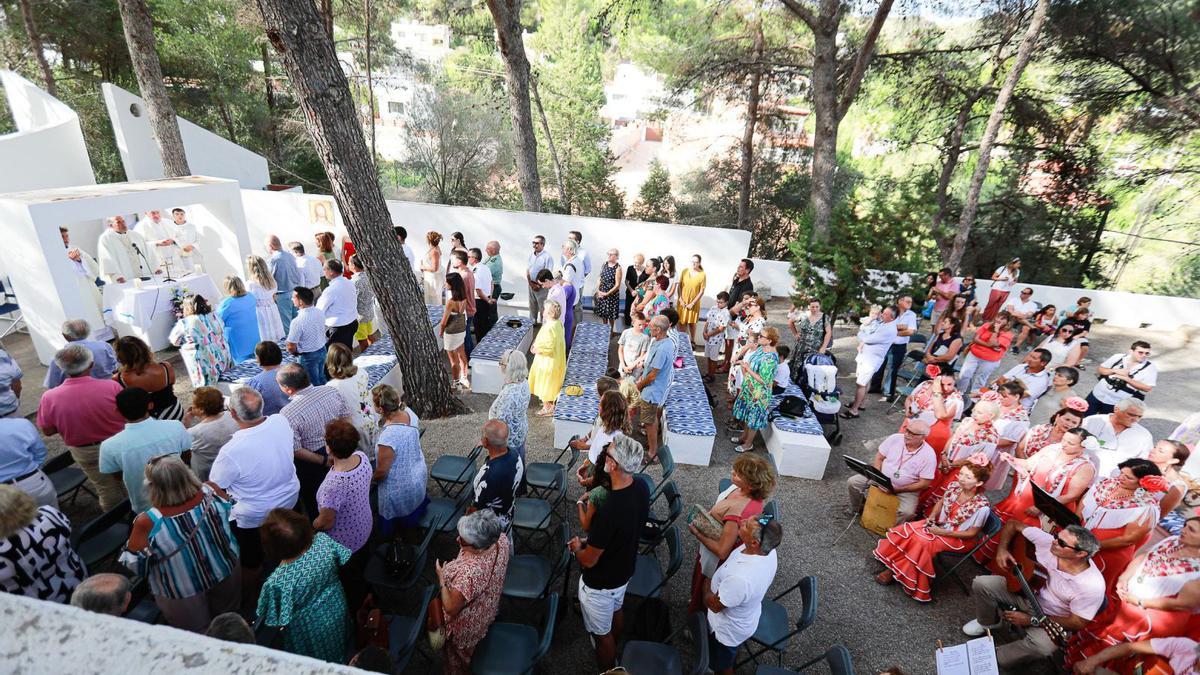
805,425
501,338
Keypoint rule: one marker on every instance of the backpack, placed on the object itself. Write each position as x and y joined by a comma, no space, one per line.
652,622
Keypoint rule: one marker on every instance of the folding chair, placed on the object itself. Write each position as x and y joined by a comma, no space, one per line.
660,525
11,318
838,660
514,648
103,537
67,479
404,631
640,656
452,471
534,515
772,632
531,575
383,581
539,476
991,528
142,607
648,578
667,462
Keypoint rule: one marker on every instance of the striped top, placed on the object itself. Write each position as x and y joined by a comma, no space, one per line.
205,561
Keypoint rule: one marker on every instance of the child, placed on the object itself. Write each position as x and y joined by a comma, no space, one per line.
715,324
633,346
783,372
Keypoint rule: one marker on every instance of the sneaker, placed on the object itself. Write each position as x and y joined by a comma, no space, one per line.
973,628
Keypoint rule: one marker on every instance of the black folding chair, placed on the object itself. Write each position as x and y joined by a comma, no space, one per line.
640,656
385,582
656,528
405,631
452,472
533,516
837,658
530,575
67,479
649,579
773,632
991,528
104,536
540,476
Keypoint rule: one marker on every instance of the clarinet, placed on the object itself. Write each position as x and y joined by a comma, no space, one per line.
1057,633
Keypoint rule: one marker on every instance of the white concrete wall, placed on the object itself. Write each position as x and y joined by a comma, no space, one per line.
48,149
288,216
1118,308
47,637
208,154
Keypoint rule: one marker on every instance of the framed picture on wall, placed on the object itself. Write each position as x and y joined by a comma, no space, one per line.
320,212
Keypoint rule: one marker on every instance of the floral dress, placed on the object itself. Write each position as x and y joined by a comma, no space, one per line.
1037,438
1107,516
609,306
755,397
977,438
1162,574
356,389
270,326
512,407
479,577
306,596
201,341
908,550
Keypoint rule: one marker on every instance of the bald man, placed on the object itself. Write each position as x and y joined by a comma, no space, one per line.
908,461
497,480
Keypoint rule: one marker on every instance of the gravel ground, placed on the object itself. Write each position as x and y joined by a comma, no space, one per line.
880,625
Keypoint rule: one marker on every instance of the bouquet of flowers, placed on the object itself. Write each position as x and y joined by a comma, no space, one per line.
178,295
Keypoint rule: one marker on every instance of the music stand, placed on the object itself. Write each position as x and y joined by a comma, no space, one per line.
1053,509
869,471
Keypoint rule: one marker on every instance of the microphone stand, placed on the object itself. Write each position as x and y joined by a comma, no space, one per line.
149,267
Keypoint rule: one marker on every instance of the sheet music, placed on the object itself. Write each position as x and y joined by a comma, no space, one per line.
953,661
976,657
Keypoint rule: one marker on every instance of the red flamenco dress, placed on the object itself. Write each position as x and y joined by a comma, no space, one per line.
971,438
920,406
1160,574
1050,471
908,550
1107,515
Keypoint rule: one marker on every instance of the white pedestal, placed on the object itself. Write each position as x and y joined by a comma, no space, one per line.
799,455
695,450
565,429
485,373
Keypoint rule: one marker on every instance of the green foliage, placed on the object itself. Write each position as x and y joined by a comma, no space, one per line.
655,201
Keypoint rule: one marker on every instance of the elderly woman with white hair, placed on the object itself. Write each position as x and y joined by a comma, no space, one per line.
470,587
512,403
549,351
185,546
36,557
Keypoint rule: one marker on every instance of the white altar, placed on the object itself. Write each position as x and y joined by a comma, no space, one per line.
145,310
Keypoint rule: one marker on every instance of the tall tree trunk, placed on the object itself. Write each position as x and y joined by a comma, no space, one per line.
952,151
297,34
971,204
558,171
370,81
753,93
35,45
272,120
139,36
506,14
227,119
830,106
327,17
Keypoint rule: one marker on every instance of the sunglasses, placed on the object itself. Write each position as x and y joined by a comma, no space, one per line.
764,518
1060,542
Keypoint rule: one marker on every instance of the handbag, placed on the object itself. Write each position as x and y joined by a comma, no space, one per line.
399,558
371,628
793,406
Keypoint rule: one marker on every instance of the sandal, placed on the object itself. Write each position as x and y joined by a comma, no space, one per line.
545,413
847,415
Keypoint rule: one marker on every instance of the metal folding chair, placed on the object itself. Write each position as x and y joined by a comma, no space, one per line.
453,472
773,632
640,656
991,528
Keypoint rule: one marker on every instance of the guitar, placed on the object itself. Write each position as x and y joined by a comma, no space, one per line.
1057,633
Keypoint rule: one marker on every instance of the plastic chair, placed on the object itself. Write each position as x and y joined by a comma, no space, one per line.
381,579
530,575
667,462
533,515
648,579
66,478
452,472
772,632
404,631
991,528
104,536
660,525
512,648
539,476
837,658
443,513
640,656
11,318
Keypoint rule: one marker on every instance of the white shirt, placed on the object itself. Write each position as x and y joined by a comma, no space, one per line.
412,258
1145,372
1007,281
1026,309
909,319
577,277
483,279
339,302
538,262
310,270
783,374
876,338
1036,384
740,584
256,466
1115,448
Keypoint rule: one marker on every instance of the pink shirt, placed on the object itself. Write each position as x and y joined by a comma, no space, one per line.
1179,651
82,409
904,467
1079,594
940,303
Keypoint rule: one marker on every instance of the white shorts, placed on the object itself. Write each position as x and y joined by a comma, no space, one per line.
598,607
712,352
864,370
453,341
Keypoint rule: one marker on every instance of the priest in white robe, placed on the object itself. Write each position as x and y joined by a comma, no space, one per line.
187,236
163,237
86,272
124,254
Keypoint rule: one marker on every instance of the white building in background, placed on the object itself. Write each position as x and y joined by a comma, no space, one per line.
634,94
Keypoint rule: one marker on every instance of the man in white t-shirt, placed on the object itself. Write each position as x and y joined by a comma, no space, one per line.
906,326
310,268
1022,312
1120,436
734,595
1032,371
1123,376
257,468
1071,597
402,236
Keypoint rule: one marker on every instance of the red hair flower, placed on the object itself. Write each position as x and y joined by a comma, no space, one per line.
978,459
1154,484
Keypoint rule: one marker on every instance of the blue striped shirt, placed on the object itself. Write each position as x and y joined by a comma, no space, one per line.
209,549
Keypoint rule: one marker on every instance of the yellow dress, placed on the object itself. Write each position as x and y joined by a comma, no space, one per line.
550,363
690,285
